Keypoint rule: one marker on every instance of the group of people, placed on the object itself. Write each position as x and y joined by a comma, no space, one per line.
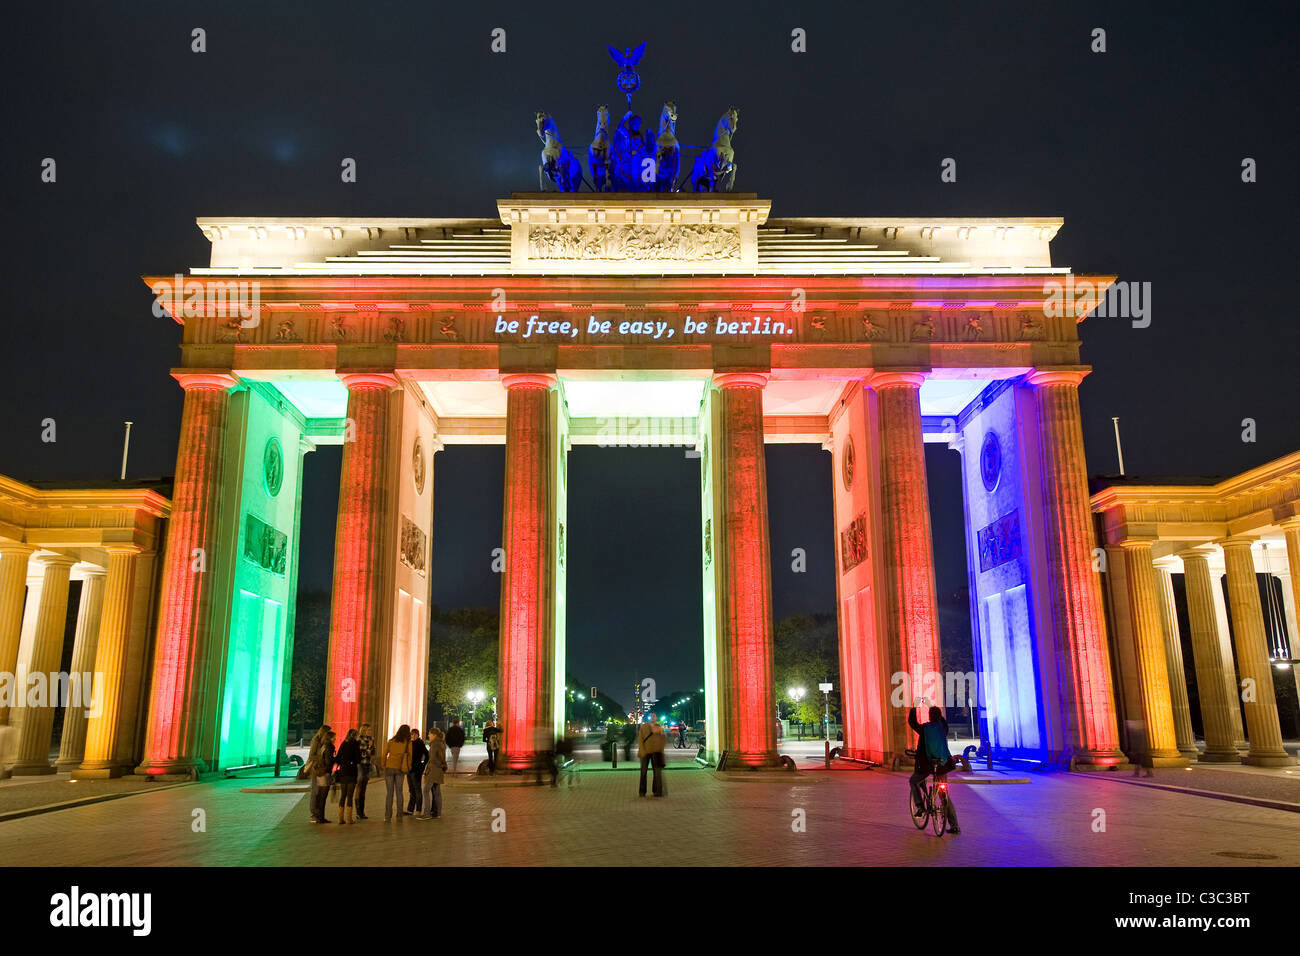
422,762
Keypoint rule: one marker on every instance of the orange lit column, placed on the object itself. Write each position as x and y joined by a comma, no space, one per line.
746,692
1087,732
72,742
1207,657
526,704
100,758
912,637
1263,730
360,654
182,642
35,724
1153,672
13,590
1178,698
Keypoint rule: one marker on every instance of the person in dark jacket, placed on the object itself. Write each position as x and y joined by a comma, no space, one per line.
455,740
347,764
931,755
365,767
317,769
492,738
419,757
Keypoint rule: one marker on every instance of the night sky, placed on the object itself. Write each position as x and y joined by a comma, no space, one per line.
1138,148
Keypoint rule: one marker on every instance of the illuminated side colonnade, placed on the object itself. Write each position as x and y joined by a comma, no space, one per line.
560,322
1236,544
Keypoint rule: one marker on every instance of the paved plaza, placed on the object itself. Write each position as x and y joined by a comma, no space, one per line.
852,818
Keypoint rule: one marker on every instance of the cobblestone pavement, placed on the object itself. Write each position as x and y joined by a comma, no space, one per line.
851,818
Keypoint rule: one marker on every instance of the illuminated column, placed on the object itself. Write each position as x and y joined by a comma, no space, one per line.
1263,730
1178,699
744,589
1207,658
526,705
13,585
360,626
908,560
1232,689
1073,588
100,758
72,743
1290,590
182,643
1149,645
35,724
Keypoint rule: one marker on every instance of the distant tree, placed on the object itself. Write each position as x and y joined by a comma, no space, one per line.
807,653
463,652
307,674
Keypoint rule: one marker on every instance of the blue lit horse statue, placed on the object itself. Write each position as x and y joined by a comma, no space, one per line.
668,152
715,169
560,165
600,155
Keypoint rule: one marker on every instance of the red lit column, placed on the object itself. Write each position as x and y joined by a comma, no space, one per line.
356,688
1263,729
525,706
746,691
908,559
35,724
1088,733
182,642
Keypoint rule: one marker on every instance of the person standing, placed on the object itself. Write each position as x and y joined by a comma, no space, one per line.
365,766
650,743
347,760
435,770
317,771
492,739
397,762
414,776
455,740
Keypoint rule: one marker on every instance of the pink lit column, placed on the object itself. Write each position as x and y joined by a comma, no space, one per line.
526,705
182,642
908,559
746,691
356,688
1090,734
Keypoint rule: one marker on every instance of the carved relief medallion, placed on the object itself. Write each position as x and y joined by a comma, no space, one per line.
273,466
417,466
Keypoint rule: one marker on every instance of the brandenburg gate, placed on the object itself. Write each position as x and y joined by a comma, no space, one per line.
562,320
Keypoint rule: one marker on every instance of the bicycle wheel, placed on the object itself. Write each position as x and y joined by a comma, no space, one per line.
918,820
939,811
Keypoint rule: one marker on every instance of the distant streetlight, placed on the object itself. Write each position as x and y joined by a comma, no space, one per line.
826,689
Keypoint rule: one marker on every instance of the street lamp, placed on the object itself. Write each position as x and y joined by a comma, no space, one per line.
796,694
826,689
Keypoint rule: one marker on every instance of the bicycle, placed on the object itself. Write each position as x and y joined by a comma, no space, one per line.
935,797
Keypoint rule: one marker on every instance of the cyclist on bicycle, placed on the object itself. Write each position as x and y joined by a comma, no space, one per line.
932,756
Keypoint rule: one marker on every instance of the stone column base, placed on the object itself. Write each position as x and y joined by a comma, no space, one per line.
1175,761
100,772
172,771
1192,756
31,770
1268,760
1220,756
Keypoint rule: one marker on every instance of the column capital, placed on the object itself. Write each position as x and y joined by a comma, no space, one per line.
94,571
1290,524
368,379
911,378
513,380
1168,562
1203,551
1070,375
56,561
204,378
1236,541
1136,542
740,379
16,548
121,547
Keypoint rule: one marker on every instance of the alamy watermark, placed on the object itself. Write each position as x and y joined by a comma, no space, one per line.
1078,297
179,298
55,689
